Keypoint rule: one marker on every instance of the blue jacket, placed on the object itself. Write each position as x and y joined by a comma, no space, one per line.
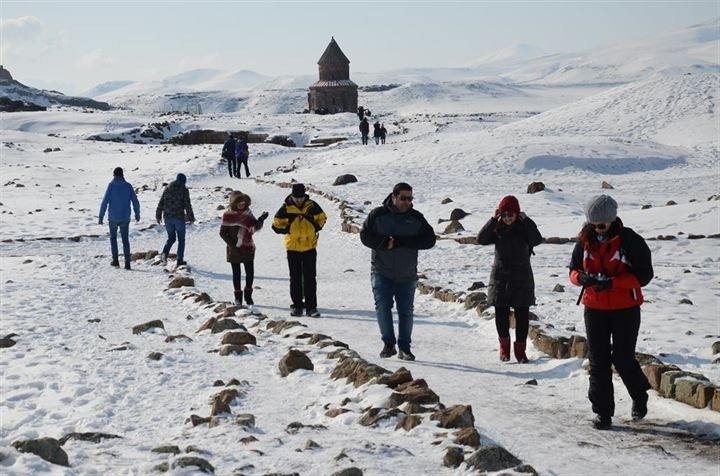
241,150
118,196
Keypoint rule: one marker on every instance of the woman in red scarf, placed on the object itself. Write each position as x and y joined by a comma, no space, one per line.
237,229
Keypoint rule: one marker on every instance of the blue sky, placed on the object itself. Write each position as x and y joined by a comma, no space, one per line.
74,45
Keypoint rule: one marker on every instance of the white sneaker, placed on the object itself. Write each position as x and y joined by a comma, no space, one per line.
253,310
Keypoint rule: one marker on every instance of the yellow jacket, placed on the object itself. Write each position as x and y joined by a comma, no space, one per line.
299,225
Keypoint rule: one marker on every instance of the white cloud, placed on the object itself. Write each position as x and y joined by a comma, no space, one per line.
96,58
22,28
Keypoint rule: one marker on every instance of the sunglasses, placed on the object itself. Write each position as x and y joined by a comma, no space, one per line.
599,226
406,198
507,214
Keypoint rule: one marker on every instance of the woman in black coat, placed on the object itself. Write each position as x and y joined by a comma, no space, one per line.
511,279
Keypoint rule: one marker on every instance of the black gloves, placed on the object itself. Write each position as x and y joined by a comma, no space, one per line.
598,284
603,285
262,217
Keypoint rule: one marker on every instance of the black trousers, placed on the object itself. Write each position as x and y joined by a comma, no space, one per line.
232,166
237,275
237,167
612,336
502,322
303,278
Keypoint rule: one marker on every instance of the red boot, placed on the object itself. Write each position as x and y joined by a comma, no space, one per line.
519,349
504,348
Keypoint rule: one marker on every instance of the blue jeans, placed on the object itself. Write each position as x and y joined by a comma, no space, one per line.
175,229
124,231
403,292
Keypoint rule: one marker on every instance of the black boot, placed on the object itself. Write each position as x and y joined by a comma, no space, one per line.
248,296
388,351
602,422
239,298
405,354
639,408
115,263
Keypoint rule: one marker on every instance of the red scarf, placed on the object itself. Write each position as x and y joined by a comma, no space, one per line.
246,223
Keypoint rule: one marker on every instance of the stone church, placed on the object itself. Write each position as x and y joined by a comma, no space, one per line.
334,92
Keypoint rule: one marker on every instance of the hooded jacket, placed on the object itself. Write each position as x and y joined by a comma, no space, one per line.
175,203
300,225
411,232
118,197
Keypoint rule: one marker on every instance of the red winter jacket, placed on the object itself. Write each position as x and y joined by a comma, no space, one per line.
625,258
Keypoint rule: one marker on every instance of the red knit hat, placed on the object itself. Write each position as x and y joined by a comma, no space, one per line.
509,204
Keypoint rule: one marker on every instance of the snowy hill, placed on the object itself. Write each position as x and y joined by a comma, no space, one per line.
104,88
695,49
506,57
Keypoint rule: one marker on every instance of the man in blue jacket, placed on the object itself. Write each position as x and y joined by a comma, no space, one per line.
395,232
118,197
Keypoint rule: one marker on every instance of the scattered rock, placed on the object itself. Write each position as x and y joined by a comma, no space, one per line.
7,341
458,214
535,187
181,337
294,427
332,413
492,458
670,203
456,416
476,285
373,415
202,464
311,445
685,301
218,383
475,299
446,200
715,347
453,227
399,377
239,338
294,360
92,437
231,349
559,288
246,420
467,436
345,179
606,185
181,281
352,471
167,449
140,328
531,382
415,391
408,422
247,440
198,420
645,207
46,448
222,325
454,457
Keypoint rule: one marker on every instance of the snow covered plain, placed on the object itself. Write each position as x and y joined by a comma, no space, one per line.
654,141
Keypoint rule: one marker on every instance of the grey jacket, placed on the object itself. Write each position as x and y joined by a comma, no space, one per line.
411,232
175,203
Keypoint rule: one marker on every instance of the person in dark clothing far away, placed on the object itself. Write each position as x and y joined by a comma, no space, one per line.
383,133
512,283
395,232
242,153
228,153
176,209
237,229
300,220
376,132
118,197
361,112
611,263
364,130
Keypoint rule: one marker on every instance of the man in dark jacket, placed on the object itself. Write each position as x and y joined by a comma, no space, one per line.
118,197
175,206
242,153
395,232
228,153
364,130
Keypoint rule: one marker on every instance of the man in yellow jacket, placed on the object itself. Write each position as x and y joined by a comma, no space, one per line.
300,220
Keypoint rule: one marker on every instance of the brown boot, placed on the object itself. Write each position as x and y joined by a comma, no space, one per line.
519,350
504,348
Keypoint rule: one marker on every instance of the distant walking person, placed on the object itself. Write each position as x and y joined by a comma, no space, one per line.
511,284
395,232
228,153
175,208
300,220
364,130
383,133
376,132
361,112
242,153
237,229
611,263
118,197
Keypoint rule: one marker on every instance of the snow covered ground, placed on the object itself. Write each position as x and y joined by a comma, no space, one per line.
654,141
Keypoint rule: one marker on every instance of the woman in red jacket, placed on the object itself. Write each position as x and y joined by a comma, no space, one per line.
611,263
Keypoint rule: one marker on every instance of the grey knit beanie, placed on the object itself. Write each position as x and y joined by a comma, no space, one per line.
601,209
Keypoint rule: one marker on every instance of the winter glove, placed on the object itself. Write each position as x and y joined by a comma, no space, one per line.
262,217
586,280
603,285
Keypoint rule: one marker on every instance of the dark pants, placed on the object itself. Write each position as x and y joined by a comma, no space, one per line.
303,281
175,230
622,328
232,166
124,234
241,161
237,275
403,292
377,140
502,322
365,139
382,139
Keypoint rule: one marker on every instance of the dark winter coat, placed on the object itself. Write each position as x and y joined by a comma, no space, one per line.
118,197
376,130
383,132
241,150
411,232
236,230
175,203
364,127
228,151
511,279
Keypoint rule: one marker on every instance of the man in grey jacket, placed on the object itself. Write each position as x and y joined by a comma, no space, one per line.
395,232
